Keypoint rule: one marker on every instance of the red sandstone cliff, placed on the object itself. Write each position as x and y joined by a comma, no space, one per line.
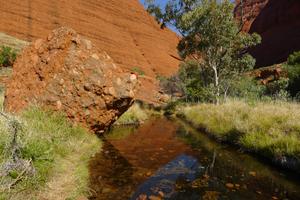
122,28
278,22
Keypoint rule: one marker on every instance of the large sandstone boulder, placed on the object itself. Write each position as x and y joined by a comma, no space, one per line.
66,73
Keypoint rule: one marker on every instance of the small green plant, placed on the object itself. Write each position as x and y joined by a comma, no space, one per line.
138,70
7,56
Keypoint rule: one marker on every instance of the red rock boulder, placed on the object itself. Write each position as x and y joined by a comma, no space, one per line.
66,73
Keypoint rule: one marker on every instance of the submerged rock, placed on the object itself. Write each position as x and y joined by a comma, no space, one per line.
66,73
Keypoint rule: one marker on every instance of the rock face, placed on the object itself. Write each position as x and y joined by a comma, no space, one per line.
66,73
122,28
251,9
278,23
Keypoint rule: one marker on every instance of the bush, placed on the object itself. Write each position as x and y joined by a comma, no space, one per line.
138,70
7,56
278,89
293,70
247,88
294,59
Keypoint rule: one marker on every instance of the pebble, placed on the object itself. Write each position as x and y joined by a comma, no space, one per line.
148,174
252,173
154,197
229,185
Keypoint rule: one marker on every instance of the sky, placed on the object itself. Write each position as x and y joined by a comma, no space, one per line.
160,2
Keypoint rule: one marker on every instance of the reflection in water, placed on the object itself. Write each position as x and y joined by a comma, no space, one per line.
165,159
111,175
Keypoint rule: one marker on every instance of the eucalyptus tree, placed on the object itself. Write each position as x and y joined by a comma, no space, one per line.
211,36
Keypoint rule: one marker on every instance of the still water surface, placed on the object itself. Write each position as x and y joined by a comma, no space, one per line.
167,159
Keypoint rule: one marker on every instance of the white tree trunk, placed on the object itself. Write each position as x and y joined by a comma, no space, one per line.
217,85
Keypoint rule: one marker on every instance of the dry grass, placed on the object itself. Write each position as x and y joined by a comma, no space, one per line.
12,42
269,128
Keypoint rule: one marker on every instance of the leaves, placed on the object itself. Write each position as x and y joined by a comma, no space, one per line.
7,56
211,37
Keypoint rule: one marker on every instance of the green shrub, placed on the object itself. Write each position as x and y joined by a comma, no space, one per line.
246,88
138,70
7,56
294,59
293,69
278,89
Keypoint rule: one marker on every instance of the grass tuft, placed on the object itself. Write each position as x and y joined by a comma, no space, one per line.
134,115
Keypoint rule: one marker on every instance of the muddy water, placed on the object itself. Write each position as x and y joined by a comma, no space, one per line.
166,159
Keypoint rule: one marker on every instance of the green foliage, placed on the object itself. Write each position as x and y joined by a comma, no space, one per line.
293,69
278,89
187,82
294,59
246,88
138,70
212,39
195,82
7,56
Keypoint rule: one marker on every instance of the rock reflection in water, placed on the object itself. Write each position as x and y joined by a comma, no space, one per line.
110,174
131,155
165,159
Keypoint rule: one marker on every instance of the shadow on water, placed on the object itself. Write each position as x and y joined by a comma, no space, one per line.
165,159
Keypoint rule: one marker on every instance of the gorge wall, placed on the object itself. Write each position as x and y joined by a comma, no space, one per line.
278,22
122,28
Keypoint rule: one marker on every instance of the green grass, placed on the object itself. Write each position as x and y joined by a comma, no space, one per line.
271,129
134,115
59,152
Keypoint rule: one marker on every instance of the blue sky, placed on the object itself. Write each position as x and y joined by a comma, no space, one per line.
160,2
163,2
